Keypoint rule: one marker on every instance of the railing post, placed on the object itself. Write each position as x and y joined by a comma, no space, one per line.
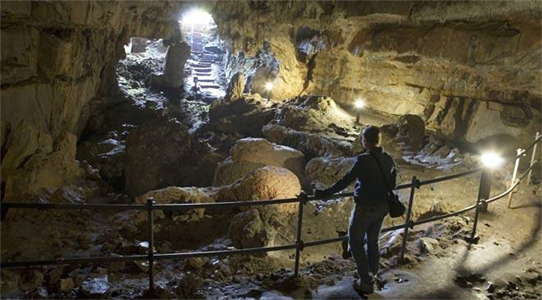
415,184
514,175
485,188
483,193
533,157
299,241
150,252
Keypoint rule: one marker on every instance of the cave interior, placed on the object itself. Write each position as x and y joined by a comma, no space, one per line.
204,102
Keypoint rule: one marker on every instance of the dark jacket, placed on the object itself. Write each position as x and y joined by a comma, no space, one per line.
370,185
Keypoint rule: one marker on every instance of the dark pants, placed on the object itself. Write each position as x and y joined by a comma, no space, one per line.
364,229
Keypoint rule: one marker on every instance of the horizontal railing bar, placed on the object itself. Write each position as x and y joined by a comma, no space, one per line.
223,252
72,206
449,177
177,206
338,239
61,261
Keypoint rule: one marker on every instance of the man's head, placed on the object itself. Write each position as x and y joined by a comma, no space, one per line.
370,137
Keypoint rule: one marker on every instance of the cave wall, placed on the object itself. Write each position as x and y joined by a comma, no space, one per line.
57,60
472,69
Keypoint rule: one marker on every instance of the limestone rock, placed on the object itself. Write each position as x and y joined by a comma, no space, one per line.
324,171
96,287
313,113
428,245
411,132
197,263
162,153
313,145
236,87
249,154
233,116
265,183
176,57
51,73
66,284
175,194
247,230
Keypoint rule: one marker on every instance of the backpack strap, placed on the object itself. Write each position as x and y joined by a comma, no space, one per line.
382,172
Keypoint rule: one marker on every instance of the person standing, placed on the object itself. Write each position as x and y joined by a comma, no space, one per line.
374,172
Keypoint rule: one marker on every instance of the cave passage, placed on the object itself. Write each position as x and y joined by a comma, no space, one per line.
110,106
205,68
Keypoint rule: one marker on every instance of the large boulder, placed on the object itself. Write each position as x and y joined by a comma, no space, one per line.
265,183
176,57
249,154
315,113
259,226
323,172
174,194
405,137
162,153
245,116
248,230
313,145
411,131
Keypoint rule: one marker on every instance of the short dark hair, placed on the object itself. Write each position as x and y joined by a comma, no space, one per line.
371,134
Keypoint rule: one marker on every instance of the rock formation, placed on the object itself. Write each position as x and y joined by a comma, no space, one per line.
54,58
236,87
249,154
428,59
312,145
472,80
162,153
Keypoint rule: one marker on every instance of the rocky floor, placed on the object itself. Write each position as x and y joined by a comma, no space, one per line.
504,265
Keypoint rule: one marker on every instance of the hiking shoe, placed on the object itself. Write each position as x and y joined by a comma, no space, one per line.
363,287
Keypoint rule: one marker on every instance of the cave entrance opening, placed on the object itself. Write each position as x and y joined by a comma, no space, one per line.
204,69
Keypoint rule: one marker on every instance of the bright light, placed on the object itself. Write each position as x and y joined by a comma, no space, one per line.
268,86
359,104
491,160
196,17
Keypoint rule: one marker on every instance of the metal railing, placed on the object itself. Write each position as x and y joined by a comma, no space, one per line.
302,199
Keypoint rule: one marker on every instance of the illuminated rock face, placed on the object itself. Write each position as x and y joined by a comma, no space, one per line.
470,69
470,80
253,226
249,154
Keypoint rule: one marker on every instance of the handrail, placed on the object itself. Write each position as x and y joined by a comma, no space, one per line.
261,249
299,245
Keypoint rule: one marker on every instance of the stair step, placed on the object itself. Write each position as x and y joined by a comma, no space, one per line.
206,80
201,65
209,86
203,70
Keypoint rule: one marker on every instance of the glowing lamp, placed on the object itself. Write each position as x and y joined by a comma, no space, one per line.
268,86
491,160
359,104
